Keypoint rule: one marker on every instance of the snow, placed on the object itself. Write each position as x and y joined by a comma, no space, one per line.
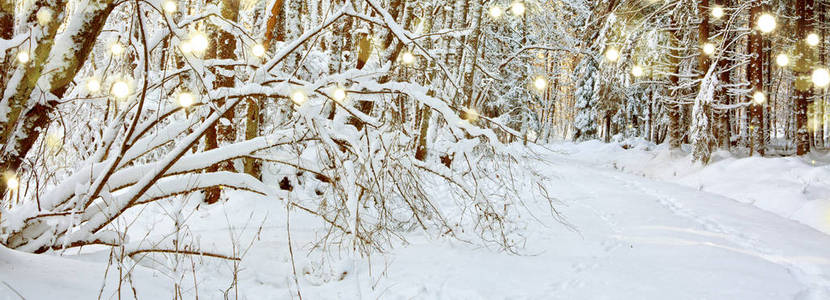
791,187
642,223
48,277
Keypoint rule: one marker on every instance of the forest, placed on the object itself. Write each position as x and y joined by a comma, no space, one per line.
175,137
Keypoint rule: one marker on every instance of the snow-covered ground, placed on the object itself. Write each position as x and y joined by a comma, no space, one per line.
797,188
644,225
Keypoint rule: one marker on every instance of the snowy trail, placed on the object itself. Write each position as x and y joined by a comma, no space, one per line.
636,238
717,222
751,243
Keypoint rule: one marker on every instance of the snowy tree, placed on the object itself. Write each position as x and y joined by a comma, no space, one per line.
129,103
587,94
701,131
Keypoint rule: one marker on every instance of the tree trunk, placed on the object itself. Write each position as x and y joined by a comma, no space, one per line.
224,45
6,33
461,10
421,148
24,124
701,130
755,77
390,55
253,166
804,10
470,68
821,102
674,110
275,26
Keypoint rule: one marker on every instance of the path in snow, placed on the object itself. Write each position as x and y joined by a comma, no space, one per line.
637,238
719,224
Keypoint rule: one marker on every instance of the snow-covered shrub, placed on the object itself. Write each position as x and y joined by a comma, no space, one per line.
132,102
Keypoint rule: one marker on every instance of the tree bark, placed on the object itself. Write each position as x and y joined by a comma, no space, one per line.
253,166
24,122
755,76
470,68
804,10
224,45
723,132
674,109
822,101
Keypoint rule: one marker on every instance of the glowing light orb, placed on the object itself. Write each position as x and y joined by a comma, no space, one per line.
821,77
517,8
258,50
12,183
298,97
637,71
708,49
496,12
612,54
717,12
759,97
782,60
53,141
540,83
44,16
813,39
23,57
198,42
766,23
116,48
186,99
93,85
186,47
339,94
408,58
470,115
120,89
169,6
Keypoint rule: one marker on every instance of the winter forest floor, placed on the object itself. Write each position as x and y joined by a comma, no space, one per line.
646,224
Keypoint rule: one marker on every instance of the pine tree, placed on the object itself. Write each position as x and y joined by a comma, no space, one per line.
585,122
701,132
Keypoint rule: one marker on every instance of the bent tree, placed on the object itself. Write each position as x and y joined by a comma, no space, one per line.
366,105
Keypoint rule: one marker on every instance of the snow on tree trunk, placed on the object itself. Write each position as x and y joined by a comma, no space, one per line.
223,47
803,88
756,80
701,131
587,98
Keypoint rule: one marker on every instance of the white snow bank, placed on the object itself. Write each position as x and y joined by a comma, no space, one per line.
43,276
797,188
631,238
